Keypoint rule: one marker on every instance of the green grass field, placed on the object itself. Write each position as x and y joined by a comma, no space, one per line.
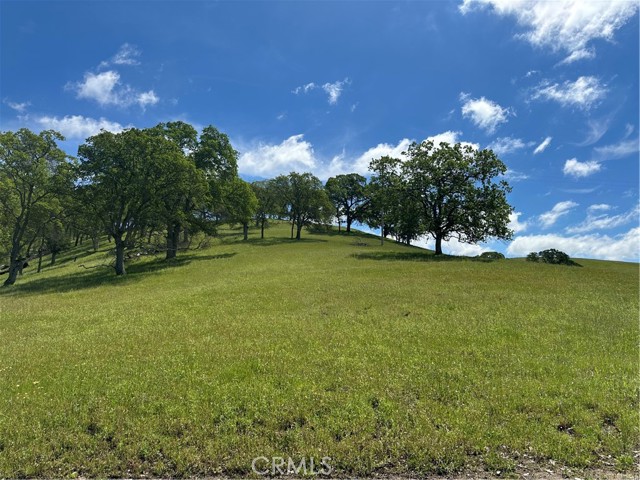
382,358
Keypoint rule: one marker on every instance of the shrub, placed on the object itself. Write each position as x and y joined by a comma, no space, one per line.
533,257
552,256
491,256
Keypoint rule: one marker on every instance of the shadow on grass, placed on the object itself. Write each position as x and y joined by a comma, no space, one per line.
417,257
100,276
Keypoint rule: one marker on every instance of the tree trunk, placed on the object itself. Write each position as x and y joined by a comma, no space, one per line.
245,230
185,235
292,224
382,234
349,220
77,240
15,264
438,244
120,256
40,255
173,238
54,254
298,231
96,243
262,228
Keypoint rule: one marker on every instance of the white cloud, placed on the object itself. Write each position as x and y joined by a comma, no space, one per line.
515,224
625,246
333,90
127,55
106,89
602,221
584,93
560,209
361,164
484,113
582,54
452,247
599,207
506,145
293,154
304,88
618,150
514,175
297,154
597,128
146,98
77,126
563,26
18,107
578,169
543,146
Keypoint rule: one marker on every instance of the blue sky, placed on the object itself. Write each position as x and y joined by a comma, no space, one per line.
325,87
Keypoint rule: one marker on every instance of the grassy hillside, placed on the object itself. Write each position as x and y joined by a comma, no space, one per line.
382,358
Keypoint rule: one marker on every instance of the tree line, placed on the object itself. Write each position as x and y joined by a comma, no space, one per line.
171,182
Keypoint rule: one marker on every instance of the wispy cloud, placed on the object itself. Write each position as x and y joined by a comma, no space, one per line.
333,90
574,168
597,129
617,150
543,146
20,107
560,209
584,93
484,113
507,145
601,221
567,26
127,55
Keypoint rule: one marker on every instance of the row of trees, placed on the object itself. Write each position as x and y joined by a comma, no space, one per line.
171,182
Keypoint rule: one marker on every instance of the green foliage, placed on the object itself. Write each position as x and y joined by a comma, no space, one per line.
348,194
456,192
34,176
491,255
304,200
552,256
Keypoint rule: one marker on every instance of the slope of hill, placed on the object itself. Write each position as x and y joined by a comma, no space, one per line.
385,359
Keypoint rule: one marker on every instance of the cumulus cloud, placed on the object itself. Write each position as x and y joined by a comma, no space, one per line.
506,145
293,154
563,26
361,164
543,146
484,113
574,168
106,89
296,153
560,209
333,90
625,246
601,221
515,224
584,93
77,126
